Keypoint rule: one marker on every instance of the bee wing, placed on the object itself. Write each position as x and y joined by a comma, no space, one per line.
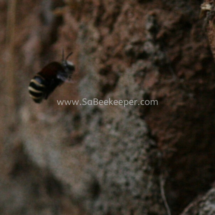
51,70
65,77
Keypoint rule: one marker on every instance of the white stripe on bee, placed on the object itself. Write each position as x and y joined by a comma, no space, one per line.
33,97
37,83
33,90
69,63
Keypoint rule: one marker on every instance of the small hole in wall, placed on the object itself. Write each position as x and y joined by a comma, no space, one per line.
53,187
95,189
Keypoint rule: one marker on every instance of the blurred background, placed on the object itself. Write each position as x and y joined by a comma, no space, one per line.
107,160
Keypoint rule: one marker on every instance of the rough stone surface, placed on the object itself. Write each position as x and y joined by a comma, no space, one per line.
107,159
204,205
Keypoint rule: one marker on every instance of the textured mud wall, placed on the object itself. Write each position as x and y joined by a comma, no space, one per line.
202,205
107,160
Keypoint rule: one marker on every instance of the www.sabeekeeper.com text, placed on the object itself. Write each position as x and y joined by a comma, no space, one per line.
109,101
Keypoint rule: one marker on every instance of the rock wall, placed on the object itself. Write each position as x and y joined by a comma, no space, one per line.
106,160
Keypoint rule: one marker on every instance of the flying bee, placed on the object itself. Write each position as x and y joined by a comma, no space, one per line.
50,77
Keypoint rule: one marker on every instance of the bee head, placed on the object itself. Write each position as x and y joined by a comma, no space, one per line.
68,65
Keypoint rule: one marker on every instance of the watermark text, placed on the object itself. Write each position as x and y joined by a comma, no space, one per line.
98,102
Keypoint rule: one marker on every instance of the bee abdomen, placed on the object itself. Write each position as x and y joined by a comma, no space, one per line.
37,88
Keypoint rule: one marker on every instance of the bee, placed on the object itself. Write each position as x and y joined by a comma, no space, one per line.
51,76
